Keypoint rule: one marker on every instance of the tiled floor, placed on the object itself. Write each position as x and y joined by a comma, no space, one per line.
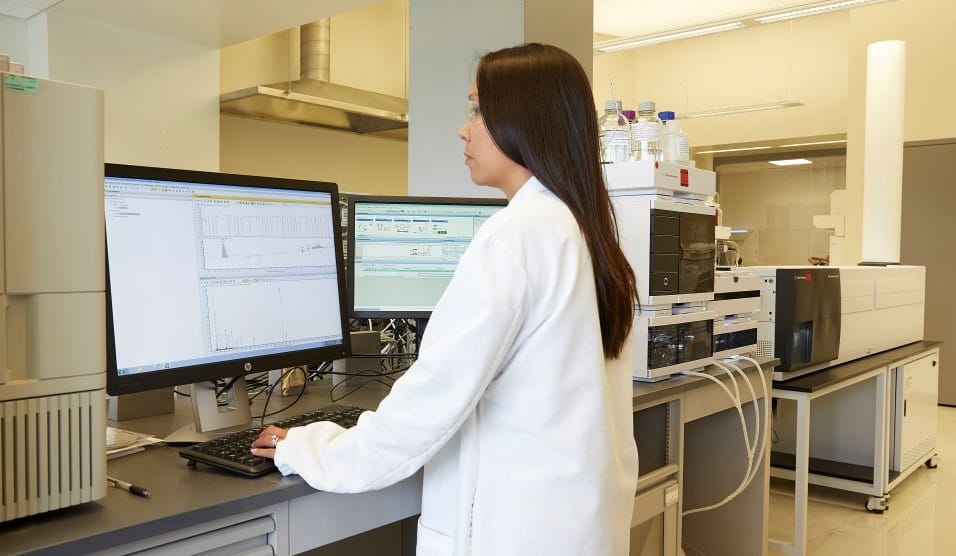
921,520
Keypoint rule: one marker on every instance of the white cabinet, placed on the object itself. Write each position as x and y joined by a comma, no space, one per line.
914,412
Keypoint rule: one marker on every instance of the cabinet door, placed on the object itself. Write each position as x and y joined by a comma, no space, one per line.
917,389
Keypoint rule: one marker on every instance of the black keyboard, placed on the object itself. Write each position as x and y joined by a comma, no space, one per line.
231,451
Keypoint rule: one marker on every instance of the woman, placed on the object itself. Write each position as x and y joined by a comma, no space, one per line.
519,405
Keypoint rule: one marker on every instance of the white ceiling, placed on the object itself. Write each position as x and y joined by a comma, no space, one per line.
627,18
24,8
215,23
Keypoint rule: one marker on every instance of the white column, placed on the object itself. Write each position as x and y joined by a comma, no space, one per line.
883,151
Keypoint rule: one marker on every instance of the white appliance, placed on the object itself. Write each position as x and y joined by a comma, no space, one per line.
666,228
53,322
880,308
735,306
649,177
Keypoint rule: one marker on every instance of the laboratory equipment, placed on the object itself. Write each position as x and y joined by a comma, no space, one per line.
666,228
815,317
735,306
52,305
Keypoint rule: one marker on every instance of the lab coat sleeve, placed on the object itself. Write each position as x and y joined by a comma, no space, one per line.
469,337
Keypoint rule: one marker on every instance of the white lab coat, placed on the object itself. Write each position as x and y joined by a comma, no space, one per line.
524,429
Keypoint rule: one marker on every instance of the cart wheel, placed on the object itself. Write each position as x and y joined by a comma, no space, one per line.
933,462
877,504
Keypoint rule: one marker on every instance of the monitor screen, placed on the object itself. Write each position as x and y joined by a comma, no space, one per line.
216,275
403,250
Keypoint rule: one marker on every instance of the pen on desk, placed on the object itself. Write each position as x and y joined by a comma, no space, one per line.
131,488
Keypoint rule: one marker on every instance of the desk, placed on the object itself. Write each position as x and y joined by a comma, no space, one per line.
283,514
871,410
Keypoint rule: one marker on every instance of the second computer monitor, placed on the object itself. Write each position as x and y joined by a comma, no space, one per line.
403,251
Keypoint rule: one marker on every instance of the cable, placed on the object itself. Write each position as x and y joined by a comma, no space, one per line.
227,386
751,447
295,401
271,389
737,406
748,478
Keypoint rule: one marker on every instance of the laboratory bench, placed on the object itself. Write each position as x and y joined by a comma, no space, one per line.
862,426
683,427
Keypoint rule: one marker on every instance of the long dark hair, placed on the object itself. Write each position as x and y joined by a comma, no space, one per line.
537,105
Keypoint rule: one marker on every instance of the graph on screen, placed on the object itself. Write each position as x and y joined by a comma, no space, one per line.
248,314
258,237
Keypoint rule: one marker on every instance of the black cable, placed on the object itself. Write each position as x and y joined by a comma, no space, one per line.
356,389
183,394
228,385
295,401
371,375
265,406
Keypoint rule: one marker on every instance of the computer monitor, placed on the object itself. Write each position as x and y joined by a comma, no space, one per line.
214,276
403,251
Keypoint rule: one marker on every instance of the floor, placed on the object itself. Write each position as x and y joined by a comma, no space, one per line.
921,519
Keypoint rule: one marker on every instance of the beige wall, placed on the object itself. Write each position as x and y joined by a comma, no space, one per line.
618,67
777,206
161,94
369,48
749,66
357,163
368,52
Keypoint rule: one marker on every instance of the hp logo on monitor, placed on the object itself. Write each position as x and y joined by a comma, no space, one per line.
247,366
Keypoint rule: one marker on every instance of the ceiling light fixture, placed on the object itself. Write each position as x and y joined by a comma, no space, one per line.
790,162
814,143
742,109
648,40
739,149
816,9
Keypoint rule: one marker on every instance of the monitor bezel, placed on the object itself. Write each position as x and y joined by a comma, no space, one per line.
350,267
140,382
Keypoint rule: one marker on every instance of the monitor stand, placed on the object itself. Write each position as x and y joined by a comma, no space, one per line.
209,418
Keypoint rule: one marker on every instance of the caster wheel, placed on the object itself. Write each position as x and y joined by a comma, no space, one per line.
877,505
932,463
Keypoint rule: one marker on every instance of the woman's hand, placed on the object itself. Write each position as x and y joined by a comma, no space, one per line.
265,444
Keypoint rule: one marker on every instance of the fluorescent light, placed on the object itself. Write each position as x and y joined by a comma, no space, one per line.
732,150
648,40
815,143
742,109
739,231
790,162
816,9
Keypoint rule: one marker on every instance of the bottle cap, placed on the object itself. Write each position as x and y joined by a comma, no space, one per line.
667,115
629,114
646,106
612,105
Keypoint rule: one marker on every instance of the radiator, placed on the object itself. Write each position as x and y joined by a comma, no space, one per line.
53,452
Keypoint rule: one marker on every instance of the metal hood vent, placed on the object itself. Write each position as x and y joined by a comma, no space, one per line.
313,100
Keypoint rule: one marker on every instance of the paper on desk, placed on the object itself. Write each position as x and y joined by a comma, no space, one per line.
121,442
